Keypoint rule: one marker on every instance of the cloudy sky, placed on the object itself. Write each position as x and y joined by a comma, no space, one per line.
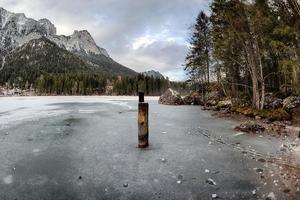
140,34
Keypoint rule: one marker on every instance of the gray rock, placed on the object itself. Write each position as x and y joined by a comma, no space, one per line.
272,102
224,104
171,97
212,98
213,95
197,98
291,102
250,127
188,100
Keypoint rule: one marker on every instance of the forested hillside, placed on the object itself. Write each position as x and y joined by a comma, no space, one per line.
44,66
50,70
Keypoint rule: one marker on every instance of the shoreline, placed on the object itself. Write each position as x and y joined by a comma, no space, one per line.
276,128
85,96
283,169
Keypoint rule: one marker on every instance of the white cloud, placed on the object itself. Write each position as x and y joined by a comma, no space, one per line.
142,42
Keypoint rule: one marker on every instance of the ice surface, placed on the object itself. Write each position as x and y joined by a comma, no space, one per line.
52,141
17,109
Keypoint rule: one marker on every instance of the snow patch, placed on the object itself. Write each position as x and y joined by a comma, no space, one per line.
8,179
36,150
88,111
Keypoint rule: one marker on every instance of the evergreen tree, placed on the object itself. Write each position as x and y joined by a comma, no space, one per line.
198,59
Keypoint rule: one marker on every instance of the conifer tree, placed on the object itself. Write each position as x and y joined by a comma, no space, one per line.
198,58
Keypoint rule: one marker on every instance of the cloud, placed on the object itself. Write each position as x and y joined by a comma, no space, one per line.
142,42
141,34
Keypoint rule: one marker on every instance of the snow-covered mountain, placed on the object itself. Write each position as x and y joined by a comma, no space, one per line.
79,41
152,73
16,30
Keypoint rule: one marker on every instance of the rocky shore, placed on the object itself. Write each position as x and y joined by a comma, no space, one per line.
280,118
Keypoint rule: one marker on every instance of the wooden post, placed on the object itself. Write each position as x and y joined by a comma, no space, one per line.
143,132
141,97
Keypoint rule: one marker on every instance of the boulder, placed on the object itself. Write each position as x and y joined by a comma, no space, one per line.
236,102
212,102
292,105
250,127
194,98
291,102
188,100
213,95
198,100
224,104
212,98
272,102
171,97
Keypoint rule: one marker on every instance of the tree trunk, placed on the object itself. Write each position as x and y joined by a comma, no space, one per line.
218,72
262,78
253,72
207,67
255,95
263,94
295,74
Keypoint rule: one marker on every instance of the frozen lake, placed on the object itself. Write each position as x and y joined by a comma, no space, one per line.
59,148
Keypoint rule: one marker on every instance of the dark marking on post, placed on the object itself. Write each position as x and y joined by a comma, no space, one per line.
141,97
143,127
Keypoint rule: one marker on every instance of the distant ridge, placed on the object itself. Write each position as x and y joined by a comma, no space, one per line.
152,73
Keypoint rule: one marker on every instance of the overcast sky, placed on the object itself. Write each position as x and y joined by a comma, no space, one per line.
140,34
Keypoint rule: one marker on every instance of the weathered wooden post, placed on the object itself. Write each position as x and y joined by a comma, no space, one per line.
143,132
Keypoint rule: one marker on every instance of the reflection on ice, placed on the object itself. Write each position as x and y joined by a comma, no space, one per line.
88,111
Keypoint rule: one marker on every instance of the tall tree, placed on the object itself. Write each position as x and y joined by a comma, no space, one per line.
198,58
226,49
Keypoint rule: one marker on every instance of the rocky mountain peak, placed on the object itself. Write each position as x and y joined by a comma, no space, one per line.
83,41
18,32
2,12
82,34
17,29
50,28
